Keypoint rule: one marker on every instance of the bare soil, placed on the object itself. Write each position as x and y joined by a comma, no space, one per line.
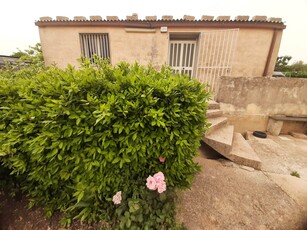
15,215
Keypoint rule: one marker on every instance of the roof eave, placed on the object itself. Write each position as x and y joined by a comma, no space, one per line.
160,23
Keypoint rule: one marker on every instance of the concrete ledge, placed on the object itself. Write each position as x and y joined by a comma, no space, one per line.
289,118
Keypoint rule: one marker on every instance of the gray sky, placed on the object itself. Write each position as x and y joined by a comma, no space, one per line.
17,17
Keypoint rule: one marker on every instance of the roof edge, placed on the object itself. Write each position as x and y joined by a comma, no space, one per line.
169,23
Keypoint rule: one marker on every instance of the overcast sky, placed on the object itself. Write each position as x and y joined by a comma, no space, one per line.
17,17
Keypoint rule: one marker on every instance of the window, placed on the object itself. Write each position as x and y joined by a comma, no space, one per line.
95,44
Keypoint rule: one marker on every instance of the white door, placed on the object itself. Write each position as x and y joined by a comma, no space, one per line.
182,56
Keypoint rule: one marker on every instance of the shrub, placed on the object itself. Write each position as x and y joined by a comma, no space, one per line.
74,138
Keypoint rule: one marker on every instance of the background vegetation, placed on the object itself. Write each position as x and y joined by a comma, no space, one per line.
297,69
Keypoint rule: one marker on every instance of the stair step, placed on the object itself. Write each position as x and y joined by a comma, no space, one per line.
214,113
221,139
216,123
242,153
213,105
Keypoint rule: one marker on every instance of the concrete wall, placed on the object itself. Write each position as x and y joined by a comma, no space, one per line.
252,52
61,45
249,101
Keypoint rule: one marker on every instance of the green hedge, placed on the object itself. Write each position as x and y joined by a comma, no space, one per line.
74,138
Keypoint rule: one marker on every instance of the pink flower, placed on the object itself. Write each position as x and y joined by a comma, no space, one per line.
162,159
151,183
156,182
117,198
159,177
161,187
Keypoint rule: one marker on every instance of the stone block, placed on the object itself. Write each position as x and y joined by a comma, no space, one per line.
95,18
223,18
207,18
274,127
167,17
45,18
134,17
112,18
188,18
151,18
62,18
259,18
80,18
242,18
274,19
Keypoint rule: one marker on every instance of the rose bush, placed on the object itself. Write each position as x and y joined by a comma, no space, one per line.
83,141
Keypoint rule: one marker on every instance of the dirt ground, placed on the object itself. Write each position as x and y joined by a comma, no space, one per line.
14,215
228,196
224,195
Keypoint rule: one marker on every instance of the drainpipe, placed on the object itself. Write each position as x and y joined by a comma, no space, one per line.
268,60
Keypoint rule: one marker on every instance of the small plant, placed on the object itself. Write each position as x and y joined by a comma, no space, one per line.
295,173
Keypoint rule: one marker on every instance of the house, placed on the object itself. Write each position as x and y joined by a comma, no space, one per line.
236,57
204,49
4,60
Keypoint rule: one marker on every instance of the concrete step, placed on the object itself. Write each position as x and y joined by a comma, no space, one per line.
221,139
214,113
242,153
213,105
216,123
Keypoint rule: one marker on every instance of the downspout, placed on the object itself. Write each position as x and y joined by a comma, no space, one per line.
268,60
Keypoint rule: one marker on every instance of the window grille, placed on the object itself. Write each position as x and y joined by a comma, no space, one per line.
95,44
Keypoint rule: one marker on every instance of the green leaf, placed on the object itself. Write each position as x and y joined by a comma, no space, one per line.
117,159
80,196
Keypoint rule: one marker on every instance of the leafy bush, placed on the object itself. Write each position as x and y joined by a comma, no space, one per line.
74,138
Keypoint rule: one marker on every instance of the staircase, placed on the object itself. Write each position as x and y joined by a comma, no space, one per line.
222,138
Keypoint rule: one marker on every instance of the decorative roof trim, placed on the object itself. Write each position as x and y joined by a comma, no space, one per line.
151,24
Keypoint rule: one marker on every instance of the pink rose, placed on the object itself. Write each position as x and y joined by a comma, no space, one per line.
161,187
151,183
161,159
117,198
159,177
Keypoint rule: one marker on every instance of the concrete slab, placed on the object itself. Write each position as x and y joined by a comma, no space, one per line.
226,197
221,139
243,154
216,123
281,154
295,187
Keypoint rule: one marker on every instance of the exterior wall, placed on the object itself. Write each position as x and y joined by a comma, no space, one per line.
252,52
61,45
249,101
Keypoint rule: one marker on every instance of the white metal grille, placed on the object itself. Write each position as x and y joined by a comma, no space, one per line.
95,44
216,53
181,56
